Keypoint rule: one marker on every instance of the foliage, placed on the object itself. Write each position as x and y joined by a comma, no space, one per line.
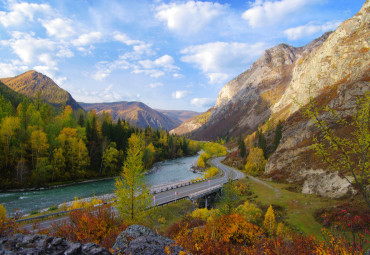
261,142
250,212
229,200
255,162
229,234
204,213
95,225
350,154
3,217
132,194
212,171
269,222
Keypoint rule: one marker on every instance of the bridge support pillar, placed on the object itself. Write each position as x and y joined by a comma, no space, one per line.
206,202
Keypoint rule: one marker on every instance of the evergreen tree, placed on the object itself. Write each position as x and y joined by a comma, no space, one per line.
132,194
262,142
278,134
242,147
229,200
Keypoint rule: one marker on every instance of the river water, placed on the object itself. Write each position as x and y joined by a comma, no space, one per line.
162,172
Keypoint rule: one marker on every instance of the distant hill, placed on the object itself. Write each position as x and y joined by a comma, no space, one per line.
178,114
136,113
33,84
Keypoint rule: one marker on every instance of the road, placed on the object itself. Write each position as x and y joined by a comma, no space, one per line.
175,193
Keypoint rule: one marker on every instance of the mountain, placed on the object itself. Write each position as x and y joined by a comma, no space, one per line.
334,69
181,116
245,102
192,124
336,73
136,113
14,97
33,84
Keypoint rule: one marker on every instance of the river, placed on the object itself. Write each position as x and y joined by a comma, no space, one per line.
162,172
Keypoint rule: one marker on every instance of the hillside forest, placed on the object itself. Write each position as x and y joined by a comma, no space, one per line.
42,145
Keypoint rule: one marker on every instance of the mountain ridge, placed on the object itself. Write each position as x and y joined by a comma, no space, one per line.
34,84
137,113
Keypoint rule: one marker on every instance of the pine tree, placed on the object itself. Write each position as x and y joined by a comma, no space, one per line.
278,134
269,222
242,147
132,194
262,142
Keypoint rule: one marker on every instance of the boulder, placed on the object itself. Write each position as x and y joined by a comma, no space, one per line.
138,239
43,244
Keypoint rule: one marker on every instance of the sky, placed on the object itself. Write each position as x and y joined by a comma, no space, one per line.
173,55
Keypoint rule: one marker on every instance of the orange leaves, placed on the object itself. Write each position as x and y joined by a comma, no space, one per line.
229,234
96,225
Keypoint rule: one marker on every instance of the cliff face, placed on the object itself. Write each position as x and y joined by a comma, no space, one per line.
337,73
245,102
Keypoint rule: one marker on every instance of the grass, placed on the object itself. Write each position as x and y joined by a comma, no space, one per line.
163,217
299,208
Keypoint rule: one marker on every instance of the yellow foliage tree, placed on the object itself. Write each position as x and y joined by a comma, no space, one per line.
212,171
250,212
269,222
255,162
3,217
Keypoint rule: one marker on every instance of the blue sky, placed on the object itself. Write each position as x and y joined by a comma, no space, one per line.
167,54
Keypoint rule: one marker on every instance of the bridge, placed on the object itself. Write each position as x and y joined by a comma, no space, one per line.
165,194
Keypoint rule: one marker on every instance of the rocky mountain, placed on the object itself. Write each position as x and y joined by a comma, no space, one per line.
192,124
245,102
334,69
336,73
136,113
180,116
36,85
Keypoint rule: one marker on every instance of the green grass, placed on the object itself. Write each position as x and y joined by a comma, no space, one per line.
299,208
163,217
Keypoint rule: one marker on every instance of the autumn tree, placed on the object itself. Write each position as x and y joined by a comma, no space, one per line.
229,200
347,154
255,162
39,145
269,222
110,159
132,194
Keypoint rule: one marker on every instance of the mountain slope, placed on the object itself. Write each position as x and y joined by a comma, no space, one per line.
336,73
181,116
245,102
14,97
136,113
192,124
33,84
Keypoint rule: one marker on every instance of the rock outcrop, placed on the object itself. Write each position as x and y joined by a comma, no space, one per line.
138,239
42,244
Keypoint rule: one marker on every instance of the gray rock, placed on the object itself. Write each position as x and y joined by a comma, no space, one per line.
42,244
138,239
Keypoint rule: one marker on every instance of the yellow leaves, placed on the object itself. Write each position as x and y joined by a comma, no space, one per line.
212,171
250,212
9,125
3,217
203,213
255,162
269,222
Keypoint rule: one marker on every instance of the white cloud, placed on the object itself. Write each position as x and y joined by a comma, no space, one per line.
30,49
177,75
152,72
156,84
60,28
20,12
11,69
87,39
203,102
123,38
310,29
222,60
272,12
189,17
109,94
166,62
180,94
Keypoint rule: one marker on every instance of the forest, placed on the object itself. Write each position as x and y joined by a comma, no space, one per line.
42,145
